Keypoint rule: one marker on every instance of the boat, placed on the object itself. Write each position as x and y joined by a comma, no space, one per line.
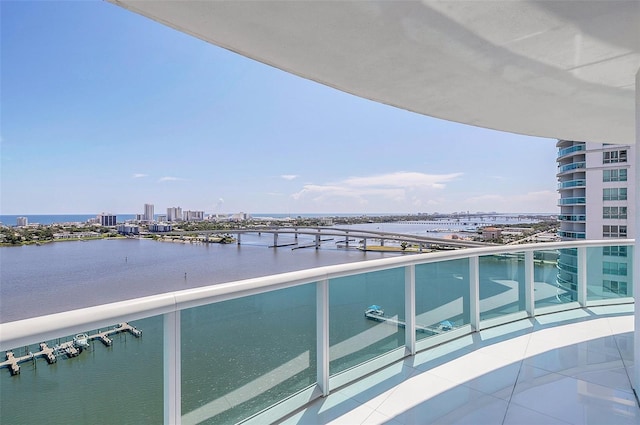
81,340
374,312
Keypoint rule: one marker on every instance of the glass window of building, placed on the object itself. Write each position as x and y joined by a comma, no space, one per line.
615,175
612,157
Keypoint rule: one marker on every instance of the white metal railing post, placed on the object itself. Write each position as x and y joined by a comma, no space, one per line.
529,284
322,335
582,276
172,369
410,308
474,292
636,246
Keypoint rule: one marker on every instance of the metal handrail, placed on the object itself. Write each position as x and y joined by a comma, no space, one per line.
29,331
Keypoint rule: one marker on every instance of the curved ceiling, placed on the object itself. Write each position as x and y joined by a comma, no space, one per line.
557,69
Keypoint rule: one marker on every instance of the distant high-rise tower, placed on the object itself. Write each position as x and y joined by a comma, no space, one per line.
22,221
107,219
174,214
148,213
595,182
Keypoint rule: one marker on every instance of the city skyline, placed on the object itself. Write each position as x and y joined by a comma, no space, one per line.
104,110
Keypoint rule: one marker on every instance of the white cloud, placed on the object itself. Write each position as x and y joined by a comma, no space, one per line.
289,176
400,189
170,179
139,175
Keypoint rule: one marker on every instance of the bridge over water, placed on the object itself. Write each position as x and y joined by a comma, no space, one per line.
321,233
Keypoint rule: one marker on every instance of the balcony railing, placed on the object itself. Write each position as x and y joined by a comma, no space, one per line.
572,184
572,217
567,151
572,201
572,166
255,350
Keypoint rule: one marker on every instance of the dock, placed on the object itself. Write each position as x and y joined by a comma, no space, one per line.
69,349
376,313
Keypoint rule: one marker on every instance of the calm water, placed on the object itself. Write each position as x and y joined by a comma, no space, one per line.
123,383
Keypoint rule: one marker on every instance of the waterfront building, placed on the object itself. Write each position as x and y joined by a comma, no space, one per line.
148,213
193,215
22,221
174,214
597,201
128,229
596,187
107,219
160,227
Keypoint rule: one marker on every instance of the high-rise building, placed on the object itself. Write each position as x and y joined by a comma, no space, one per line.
193,215
148,213
22,221
595,182
174,214
107,219
596,193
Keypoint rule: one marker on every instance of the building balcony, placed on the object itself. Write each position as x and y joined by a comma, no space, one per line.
571,150
572,184
570,167
258,350
572,217
577,200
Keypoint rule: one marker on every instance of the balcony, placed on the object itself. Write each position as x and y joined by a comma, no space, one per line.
570,150
578,200
260,349
572,217
572,184
571,167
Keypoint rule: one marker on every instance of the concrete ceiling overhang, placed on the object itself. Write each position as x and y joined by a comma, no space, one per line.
557,69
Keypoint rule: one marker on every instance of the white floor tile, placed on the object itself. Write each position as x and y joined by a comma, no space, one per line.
563,368
573,400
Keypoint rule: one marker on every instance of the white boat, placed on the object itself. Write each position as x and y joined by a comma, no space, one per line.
81,340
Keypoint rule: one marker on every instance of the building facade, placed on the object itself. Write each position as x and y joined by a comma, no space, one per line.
148,213
193,215
174,214
107,219
597,201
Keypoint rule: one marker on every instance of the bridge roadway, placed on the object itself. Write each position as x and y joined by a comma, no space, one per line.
319,232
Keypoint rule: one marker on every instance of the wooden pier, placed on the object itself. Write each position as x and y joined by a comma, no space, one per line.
379,316
69,349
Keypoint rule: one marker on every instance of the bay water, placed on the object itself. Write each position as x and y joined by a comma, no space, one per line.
123,383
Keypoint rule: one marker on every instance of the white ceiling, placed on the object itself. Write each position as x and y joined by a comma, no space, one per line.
559,69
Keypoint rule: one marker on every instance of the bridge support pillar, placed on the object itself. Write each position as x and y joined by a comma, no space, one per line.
381,242
317,241
295,235
238,238
346,238
275,240
364,244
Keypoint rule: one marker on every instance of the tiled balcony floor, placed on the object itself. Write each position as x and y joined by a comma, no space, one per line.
573,367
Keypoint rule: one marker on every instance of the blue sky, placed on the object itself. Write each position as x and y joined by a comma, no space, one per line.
104,110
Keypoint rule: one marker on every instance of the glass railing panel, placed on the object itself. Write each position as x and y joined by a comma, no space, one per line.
572,183
442,297
609,272
545,277
566,151
243,355
366,317
572,166
567,275
571,201
501,285
98,383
